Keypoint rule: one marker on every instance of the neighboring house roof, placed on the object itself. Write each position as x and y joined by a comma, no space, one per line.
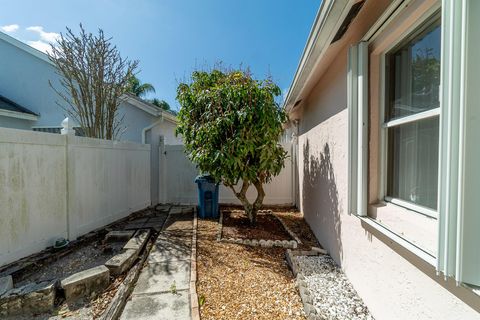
8,108
148,107
329,21
25,47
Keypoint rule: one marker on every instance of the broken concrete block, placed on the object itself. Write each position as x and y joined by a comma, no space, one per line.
6,283
86,282
31,298
119,236
187,210
138,241
175,210
163,208
120,263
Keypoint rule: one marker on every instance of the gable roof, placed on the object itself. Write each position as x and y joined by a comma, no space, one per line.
25,47
148,107
8,108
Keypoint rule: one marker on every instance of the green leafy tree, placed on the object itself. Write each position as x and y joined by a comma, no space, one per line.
139,89
231,124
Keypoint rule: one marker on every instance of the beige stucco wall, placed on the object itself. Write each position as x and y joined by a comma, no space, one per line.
394,283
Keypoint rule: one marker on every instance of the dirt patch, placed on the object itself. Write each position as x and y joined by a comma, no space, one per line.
237,225
85,257
295,222
243,282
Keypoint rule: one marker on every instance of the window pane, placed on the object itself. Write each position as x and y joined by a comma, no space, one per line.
414,73
413,162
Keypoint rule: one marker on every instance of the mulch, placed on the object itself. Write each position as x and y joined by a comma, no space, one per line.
242,282
236,225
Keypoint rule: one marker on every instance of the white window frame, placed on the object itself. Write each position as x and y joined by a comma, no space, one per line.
384,125
457,256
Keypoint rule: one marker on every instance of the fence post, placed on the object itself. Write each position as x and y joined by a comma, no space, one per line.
67,131
162,190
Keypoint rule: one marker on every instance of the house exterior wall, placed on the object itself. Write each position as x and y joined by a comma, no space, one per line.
167,130
24,79
134,120
392,281
14,123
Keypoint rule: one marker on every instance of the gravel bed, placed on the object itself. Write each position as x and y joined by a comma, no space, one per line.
333,296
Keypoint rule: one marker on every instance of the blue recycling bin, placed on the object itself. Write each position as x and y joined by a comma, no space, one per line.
207,197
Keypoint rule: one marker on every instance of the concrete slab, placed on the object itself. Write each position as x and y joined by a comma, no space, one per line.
175,210
6,283
158,218
162,252
187,209
121,262
155,223
163,277
86,282
165,306
138,241
119,236
163,208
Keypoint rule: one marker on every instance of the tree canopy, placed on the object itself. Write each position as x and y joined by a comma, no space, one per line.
231,124
162,104
138,88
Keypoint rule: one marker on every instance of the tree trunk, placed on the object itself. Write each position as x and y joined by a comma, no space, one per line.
258,202
251,210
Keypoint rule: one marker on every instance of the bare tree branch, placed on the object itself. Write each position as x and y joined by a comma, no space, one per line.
93,76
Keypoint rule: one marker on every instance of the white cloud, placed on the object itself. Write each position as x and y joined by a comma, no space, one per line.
45,36
40,45
10,28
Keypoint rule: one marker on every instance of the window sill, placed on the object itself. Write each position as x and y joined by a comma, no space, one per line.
418,229
399,240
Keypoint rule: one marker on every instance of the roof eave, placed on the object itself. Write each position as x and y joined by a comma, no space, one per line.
18,115
148,107
25,47
329,17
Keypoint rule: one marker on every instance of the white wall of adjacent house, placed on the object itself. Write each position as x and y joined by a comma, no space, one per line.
393,282
55,186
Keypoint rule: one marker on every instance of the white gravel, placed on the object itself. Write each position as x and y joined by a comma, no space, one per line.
333,296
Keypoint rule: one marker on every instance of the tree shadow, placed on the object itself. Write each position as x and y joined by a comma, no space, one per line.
321,207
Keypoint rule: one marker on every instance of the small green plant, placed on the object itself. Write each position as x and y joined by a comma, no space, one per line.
173,288
201,300
231,124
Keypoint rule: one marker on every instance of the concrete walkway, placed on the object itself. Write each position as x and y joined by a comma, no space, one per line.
162,290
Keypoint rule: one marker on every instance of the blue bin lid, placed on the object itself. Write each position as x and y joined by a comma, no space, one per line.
204,178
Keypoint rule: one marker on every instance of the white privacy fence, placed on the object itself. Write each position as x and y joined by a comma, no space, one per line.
177,175
55,186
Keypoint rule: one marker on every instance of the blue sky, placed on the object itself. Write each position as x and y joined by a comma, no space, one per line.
171,38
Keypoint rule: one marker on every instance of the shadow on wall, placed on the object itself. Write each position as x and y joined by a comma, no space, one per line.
320,200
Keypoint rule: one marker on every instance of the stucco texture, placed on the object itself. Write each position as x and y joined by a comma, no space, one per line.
393,283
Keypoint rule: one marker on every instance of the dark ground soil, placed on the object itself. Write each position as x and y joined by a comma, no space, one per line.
237,225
